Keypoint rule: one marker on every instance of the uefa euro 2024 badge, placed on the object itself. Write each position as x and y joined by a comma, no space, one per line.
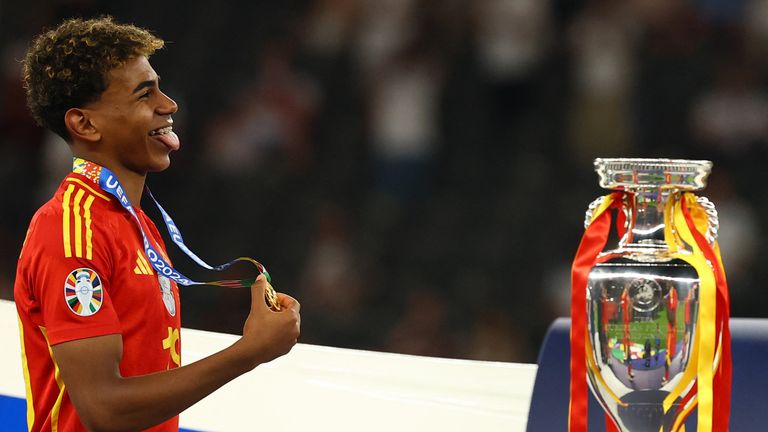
83,292
168,300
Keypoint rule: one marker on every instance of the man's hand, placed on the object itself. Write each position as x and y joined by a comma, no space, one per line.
268,334
105,400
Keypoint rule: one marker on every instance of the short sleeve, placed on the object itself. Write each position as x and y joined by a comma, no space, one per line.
66,266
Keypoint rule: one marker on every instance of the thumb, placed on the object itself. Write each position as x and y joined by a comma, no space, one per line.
258,290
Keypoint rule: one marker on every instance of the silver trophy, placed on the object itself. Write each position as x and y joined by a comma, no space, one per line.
642,301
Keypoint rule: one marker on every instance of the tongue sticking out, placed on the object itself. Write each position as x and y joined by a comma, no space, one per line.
171,140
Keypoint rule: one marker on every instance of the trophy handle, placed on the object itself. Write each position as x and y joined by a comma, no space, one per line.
712,219
591,210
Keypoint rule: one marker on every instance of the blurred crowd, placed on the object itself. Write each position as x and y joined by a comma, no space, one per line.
416,172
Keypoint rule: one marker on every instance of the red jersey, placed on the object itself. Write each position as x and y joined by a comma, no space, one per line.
83,273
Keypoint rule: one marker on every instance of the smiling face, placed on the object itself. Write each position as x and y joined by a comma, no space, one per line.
133,121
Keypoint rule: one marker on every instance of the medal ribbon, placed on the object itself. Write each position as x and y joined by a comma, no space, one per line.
109,183
592,243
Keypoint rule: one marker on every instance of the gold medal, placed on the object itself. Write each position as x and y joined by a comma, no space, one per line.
270,296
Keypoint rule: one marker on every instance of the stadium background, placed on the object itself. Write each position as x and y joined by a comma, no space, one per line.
416,172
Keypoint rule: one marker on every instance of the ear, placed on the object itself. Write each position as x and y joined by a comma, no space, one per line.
80,125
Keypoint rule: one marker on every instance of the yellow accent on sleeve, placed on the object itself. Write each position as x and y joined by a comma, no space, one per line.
78,216
27,381
88,230
65,221
78,223
59,381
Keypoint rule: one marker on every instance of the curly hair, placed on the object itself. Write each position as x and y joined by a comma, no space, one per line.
67,67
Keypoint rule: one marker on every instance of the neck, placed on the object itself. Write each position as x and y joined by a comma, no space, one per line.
131,181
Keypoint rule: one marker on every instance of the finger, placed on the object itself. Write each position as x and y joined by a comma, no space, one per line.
257,292
288,302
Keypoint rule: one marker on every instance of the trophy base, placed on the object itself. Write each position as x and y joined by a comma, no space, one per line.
645,413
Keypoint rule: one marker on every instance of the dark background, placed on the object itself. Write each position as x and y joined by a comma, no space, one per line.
416,172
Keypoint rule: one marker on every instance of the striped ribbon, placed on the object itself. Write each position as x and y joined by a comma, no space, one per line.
109,183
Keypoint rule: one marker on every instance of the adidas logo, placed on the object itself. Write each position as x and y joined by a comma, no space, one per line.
142,266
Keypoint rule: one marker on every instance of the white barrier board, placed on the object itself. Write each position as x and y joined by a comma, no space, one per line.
333,389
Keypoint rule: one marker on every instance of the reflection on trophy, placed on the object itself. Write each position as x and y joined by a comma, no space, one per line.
643,297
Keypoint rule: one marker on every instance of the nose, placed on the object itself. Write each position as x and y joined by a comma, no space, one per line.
167,105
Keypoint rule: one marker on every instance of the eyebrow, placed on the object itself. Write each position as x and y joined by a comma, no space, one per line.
145,84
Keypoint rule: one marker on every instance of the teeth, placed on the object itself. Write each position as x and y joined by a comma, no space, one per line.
161,131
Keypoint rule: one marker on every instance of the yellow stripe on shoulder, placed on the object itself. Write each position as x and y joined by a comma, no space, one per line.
77,219
88,187
88,230
78,225
65,221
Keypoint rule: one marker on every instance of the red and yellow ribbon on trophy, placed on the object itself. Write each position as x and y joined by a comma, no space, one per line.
706,381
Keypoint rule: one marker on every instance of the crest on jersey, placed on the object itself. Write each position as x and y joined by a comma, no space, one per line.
165,289
83,292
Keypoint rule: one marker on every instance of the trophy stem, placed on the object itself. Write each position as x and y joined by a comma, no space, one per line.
645,219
